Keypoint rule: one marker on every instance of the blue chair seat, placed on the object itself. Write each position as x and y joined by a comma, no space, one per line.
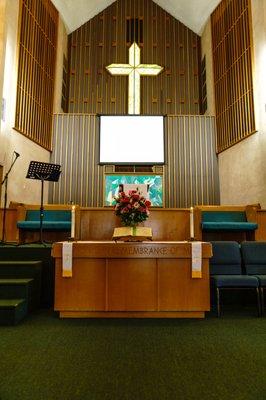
54,225
229,226
235,281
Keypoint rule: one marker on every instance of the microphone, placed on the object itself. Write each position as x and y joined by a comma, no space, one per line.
16,154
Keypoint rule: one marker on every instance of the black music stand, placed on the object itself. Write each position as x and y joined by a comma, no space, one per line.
43,172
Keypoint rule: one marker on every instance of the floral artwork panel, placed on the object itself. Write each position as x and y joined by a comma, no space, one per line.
155,183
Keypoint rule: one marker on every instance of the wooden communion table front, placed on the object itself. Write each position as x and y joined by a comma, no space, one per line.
147,279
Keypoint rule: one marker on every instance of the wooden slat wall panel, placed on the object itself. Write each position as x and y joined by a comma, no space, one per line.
76,148
191,173
36,70
102,41
232,61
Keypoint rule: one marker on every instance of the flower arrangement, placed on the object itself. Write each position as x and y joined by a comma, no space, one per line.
132,208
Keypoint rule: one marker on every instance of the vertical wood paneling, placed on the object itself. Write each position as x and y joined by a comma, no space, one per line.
102,41
190,173
232,60
76,149
36,70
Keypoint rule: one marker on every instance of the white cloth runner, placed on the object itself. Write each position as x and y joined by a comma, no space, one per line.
196,250
67,259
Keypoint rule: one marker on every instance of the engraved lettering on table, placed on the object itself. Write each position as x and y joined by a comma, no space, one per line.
173,250
135,251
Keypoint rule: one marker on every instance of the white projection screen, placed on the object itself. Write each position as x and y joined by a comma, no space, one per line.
131,139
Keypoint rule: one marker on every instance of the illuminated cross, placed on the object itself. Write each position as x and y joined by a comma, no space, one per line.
134,70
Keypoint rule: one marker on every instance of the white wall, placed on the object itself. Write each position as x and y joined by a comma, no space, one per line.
2,42
61,50
20,189
242,168
206,50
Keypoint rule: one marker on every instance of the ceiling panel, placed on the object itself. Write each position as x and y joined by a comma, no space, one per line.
192,13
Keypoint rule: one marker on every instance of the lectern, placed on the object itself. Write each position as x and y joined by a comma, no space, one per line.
43,172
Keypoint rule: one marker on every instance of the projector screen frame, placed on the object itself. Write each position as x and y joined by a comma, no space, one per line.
125,162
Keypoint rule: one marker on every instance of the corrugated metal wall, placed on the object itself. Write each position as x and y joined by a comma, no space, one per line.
190,173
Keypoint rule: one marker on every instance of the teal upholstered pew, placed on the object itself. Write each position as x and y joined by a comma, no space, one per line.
52,219
57,219
224,220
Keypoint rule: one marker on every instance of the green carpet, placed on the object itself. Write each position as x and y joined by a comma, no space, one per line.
45,358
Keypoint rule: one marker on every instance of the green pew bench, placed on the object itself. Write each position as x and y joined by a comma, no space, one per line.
52,219
56,223
224,222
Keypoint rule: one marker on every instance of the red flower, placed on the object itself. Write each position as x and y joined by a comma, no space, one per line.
132,208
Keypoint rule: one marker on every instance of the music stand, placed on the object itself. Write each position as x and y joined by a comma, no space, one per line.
43,172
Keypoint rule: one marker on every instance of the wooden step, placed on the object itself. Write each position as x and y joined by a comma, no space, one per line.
35,252
12,311
24,270
11,288
21,269
25,266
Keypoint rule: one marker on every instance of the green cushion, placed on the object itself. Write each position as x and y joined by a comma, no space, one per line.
229,226
49,215
58,220
226,221
53,225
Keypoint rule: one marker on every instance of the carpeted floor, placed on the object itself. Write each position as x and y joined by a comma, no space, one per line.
45,358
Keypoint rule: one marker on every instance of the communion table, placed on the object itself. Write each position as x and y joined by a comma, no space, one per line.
132,279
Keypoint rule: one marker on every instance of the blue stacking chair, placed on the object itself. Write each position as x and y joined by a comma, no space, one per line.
226,271
254,260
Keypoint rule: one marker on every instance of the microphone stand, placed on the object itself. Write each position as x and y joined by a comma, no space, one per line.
5,182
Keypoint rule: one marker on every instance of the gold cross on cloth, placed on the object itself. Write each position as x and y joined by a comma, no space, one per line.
134,70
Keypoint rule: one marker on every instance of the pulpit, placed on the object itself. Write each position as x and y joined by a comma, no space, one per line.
132,279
